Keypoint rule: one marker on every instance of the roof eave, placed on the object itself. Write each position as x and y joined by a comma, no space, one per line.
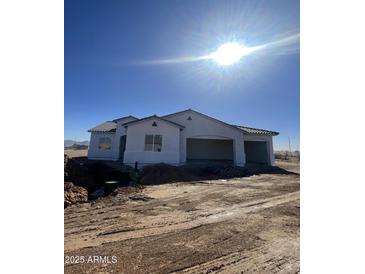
261,134
125,117
153,117
102,131
203,115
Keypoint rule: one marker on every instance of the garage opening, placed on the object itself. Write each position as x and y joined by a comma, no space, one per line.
209,150
256,152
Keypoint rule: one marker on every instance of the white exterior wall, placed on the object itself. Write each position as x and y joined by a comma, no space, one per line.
269,143
173,140
120,131
203,127
94,153
134,151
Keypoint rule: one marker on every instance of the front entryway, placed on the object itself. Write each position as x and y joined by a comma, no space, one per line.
122,143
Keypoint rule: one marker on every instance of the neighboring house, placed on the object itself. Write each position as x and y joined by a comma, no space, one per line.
179,138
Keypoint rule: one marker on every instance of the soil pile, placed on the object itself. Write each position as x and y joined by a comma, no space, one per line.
122,195
163,173
74,194
91,175
127,190
77,171
213,172
65,162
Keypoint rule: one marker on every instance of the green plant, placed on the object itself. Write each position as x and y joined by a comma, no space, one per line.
135,176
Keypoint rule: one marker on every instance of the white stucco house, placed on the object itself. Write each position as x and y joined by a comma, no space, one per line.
182,137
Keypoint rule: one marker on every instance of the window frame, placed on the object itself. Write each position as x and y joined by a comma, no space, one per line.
159,145
104,145
146,145
155,146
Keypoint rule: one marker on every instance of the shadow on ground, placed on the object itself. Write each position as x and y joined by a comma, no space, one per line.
92,174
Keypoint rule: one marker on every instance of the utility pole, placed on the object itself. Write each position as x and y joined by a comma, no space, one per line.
289,145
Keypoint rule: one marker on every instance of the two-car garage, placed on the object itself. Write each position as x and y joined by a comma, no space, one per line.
222,151
209,150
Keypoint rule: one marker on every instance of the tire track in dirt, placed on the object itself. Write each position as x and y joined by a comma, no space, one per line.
271,257
161,224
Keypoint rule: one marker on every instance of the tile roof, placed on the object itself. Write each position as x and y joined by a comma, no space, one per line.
256,131
108,126
124,117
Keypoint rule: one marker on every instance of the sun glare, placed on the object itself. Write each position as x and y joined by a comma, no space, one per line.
229,53
232,52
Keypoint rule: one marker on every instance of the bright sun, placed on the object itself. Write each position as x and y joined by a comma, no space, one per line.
229,53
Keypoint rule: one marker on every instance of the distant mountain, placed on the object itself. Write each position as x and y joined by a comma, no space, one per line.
69,143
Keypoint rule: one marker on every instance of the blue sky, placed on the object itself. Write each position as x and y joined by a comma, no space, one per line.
112,50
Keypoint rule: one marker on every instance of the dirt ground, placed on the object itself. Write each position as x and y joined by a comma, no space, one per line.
241,225
76,152
289,166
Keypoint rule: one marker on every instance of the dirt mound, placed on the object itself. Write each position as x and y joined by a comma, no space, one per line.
213,172
121,195
91,175
127,190
163,173
253,169
65,162
74,194
76,170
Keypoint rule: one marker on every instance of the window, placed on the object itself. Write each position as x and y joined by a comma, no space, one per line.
157,143
148,144
105,143
153,143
